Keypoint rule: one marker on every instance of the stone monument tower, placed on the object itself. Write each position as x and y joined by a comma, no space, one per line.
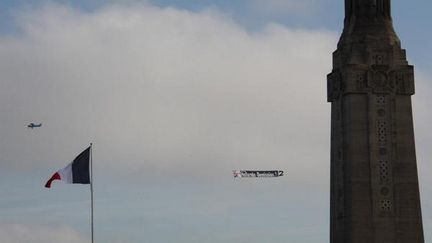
374,182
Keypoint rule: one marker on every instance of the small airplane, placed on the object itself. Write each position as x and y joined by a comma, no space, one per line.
32,125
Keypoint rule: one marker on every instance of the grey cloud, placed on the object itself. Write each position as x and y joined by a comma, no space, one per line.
286,6
17,233
164,90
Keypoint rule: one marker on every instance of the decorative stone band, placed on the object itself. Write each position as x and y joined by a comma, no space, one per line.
378,79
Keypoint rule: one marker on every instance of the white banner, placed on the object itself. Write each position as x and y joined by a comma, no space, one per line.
257,173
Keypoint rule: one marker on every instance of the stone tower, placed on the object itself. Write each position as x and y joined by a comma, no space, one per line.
374,182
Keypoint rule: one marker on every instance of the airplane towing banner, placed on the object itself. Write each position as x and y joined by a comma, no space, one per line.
257,173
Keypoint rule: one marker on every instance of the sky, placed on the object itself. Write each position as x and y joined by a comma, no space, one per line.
175,95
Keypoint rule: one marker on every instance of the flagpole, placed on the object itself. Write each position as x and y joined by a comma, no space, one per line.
91,190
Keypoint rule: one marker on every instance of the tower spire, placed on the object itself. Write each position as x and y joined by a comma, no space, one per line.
367,9
371,20
374,194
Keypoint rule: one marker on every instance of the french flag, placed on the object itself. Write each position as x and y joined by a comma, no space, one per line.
76,172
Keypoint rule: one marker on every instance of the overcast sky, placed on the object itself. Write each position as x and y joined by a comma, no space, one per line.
174,96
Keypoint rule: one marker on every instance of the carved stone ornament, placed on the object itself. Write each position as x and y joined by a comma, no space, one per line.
361,83
404,82
380,82
356,81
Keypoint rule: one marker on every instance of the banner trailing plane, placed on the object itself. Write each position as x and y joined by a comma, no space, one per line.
257,173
